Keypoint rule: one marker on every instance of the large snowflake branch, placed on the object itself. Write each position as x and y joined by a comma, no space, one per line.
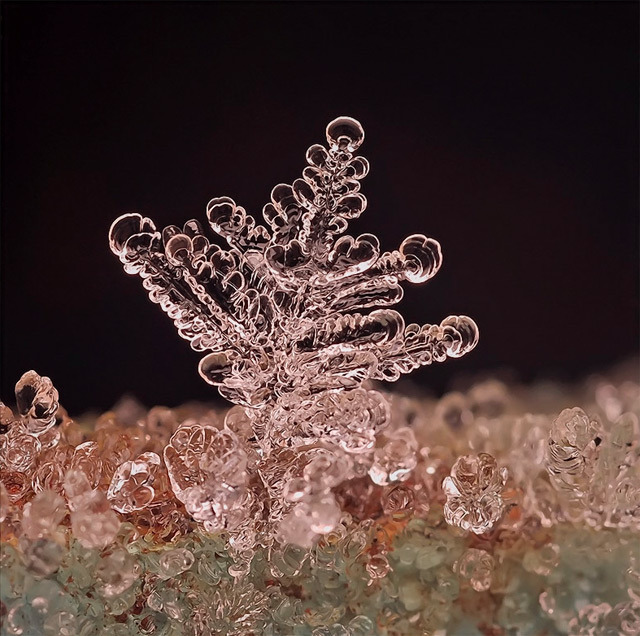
284,308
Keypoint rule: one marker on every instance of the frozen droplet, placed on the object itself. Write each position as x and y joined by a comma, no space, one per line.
398,500
61,623
323,513
345,133
19,450
76,487
378,566
116,573
19,619
93,522
43,514
476,566
314,516
42,557
488,399
132,485
326,470
571,452
361,626
542,560
395,460
296,489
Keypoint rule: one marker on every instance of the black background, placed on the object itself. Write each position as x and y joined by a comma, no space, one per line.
507,131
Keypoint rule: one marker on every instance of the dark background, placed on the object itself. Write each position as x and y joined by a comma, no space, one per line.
507,131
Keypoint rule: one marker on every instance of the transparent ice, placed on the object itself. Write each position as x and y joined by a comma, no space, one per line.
280,311
294,317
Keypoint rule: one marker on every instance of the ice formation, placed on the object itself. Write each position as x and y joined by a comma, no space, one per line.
279,311
279,314
317,505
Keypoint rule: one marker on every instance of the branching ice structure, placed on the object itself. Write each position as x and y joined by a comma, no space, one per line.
316,505
280,314
280,309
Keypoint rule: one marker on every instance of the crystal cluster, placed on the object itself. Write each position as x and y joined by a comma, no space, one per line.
493,521
318,504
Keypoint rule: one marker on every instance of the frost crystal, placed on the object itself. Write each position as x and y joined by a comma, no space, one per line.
279,312
294,318
474,493
476,566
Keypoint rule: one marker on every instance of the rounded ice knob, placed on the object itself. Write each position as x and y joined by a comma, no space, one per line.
345,133
423,257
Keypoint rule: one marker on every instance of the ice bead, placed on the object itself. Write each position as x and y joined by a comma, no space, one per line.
361,626
43,557
317,515
17,484
51,468
175,562
18,450
196,452
116,573
76,487
395,459
474,493
542,560
398,500
93,521
60,624
453,409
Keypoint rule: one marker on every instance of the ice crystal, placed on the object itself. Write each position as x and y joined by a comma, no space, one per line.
476,566
294,317
279,312
474,493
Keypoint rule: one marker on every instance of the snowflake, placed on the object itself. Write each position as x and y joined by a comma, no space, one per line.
295,306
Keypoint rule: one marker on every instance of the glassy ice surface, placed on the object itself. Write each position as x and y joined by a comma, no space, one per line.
316,505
